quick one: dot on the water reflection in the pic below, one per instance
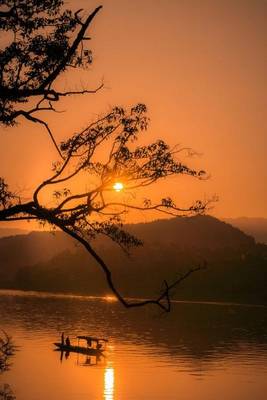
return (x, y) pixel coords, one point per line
(83, 360)
(109, 383)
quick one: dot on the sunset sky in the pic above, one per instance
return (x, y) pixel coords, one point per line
(199, 66)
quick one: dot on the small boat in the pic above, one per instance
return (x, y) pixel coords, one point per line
(94, 346)
(77, 349)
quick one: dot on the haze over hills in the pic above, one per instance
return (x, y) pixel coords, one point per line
(237, 265)
(12, 232)
(34, 247)
(257, 227)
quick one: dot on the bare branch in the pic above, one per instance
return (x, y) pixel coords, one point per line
(28, 116)
(78, 92)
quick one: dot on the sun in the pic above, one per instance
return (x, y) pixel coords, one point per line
(118, 186)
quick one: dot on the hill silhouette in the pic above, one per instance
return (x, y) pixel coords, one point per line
(236, 270)
(199, 231)
(25, 250)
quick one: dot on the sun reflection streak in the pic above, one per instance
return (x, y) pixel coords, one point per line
(109, 383)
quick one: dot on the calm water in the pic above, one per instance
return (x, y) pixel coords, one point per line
(199, 351)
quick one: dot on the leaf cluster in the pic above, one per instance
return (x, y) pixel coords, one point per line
(7, 198)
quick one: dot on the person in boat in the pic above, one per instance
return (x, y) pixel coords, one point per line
(67, 341)
(62, 338)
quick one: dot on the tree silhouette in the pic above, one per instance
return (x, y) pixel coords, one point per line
(6, 351)
(47, 40)
(6, 392)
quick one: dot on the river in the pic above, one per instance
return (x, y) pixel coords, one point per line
(198, 351)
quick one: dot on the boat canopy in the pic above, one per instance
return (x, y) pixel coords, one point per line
(92, 339)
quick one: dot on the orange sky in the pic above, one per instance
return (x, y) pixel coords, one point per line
(200, 66)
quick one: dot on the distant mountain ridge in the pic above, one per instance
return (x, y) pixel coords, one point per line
(199, 231)
(257, 227)
(237, 266)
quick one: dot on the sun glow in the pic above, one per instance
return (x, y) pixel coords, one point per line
(118, 186)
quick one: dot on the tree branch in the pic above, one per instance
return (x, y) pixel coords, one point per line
(71, 51)
(165, 295)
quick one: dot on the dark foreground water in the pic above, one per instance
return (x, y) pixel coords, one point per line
(199, 351)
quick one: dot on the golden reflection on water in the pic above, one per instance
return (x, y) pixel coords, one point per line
(109, 381)
(109, 298)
